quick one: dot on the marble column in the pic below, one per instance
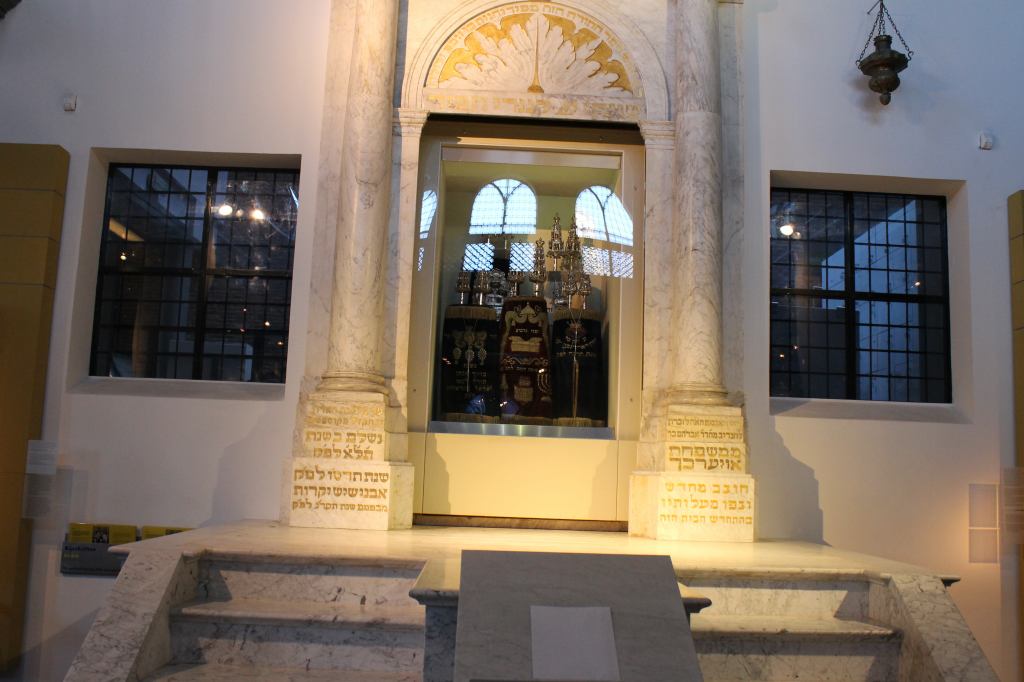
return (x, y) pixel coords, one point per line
(691, 481)
(354, 361)
(405, 206)
(349, 468)
(697, 369)
(660, 263)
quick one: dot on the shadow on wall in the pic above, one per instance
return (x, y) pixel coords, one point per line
(788, 504)
(51, 658)
(249, 481)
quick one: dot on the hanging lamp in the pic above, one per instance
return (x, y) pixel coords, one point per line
(884, 64)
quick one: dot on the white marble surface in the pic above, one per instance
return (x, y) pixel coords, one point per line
(814, 658)
(734, 595)
(730, 49)
(346, 425)
(228, 673)
(697, 370)
(335, 583)
(441, 548)
(691, 506)
(130, 637)
(801, 582)
(937, 643)
(345, 494)
(439, 645)
(402, 235)
(332, 133)
(360, 273)
(296, 646)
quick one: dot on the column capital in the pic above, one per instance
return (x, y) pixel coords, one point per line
(658, 134)
(409, 122)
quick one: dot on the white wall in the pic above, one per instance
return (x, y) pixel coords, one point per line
(247, 76)
(231, 76)
(890, 486)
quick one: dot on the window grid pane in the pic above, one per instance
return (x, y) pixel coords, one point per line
(859, 308)
(195, 273)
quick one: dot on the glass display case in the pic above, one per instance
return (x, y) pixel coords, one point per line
(526, 337)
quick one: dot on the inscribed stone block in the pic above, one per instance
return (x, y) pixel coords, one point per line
(351, 494)
(678, 506)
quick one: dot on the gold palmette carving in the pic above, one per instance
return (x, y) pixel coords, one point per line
(571, 53)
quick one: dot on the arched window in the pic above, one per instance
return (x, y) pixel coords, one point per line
(504, 206)
(601, 215)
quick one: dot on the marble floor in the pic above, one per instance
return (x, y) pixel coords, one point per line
(442, 548)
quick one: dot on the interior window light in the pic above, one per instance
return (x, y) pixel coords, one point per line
(428, 208)
(478, 257)
(504, 206)
(601, 215)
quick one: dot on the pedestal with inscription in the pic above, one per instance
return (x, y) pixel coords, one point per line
(694, 484)
(349, 473)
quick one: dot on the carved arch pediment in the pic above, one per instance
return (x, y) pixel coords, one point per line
(547, 59)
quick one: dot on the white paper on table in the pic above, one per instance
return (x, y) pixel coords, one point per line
(573, 643)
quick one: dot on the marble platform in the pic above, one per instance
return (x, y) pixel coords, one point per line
(779, 610)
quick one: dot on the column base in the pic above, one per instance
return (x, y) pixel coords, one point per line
(667, 505)
(356, 495)
(353, 382)
(696, 394)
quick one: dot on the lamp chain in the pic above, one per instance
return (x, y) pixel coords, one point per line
(878, 28)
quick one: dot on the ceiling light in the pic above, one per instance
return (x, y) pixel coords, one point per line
(787, 229)
(224, 210)
(258, 214)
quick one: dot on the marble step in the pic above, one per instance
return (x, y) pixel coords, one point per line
(272, 612)
(225, 576)
(300, 635)
(844, 598)
(209, 672)
(733, 648)
(713, 625)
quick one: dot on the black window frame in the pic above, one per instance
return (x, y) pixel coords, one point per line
(204, 275)
(851, 296)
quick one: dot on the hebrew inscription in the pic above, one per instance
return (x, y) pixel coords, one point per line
(704, 428)
(332, 489)
(344, 430)
(690, 457)
(707, 502)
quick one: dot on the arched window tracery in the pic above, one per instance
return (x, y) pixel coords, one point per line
(601, 215)
(504, 206)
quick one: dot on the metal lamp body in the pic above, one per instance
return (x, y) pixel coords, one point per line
(883, 66)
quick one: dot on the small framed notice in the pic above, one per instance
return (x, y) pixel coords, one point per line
(573, 643)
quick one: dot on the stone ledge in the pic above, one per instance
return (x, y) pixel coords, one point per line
(302, 612)
(710, 625)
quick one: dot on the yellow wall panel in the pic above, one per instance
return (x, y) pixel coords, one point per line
(550, 478)
(33, 166)
(25, 313)
(1016, 207)
(1017, 260)
(33, 213)
(28, 260)
(32, 183)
